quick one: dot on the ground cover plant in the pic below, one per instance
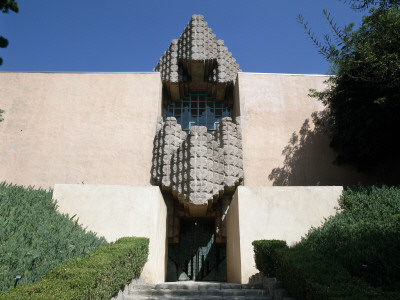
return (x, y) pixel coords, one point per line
(34, 237)
(99, 275)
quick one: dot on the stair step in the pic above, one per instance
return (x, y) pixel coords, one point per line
(198, 290)
(134, 297)
(192, 285)
(144, 286)
(202, 292)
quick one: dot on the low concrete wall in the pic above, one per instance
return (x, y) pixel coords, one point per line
(284, 213)
(119, 211)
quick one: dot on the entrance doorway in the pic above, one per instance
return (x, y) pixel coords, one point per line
(197, 256)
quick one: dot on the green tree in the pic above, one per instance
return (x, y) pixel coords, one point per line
(364, 4)
(5, 7)
(363, 96)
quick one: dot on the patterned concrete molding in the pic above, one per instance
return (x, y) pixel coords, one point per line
(200, 167)
(198, 61)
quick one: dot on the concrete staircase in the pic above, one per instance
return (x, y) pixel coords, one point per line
(197, 290)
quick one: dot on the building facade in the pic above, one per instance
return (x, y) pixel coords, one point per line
(198, 156)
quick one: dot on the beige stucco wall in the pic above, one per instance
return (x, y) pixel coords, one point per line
(78, 127)
(233, 266)
(284, 213)
(280, 144)
(120, 211)
(98, 128)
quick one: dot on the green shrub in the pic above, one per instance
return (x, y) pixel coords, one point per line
(265, 255)
(309, 275)
(99, 275)
(364, 236)
(34, 237)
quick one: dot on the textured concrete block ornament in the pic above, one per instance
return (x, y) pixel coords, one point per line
(199, 167)
(198, 61)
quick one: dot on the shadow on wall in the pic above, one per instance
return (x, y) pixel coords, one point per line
(310, 161)
(302, 157)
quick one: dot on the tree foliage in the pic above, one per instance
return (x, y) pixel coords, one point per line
(5, 7)
(364, 4)
(363, 96)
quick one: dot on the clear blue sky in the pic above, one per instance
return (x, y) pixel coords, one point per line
(131, 35)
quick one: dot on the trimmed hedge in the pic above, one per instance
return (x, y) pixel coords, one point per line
(100, 275)
(265, 255)
(34, 237)
(308, 275)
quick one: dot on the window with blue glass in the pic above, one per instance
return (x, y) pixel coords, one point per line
(197, 109)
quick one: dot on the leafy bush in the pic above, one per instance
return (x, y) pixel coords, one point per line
(100, 275)
(34, 238)
(361, 242)
(265, 255)
(363, 96)
(309, 275)
(364, 236)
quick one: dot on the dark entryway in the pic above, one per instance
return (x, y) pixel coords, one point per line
(197, 256)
